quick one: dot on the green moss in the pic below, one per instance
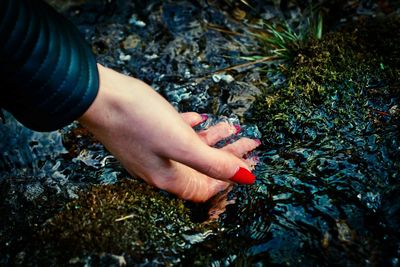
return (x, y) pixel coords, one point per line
(331, 136)
(354, 54)
(329, 83)
(129, 218)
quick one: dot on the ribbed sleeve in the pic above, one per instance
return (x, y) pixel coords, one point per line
(48, 73)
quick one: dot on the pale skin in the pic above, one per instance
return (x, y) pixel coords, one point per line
(153, 141)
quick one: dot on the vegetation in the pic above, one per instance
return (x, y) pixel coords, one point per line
(283, 41)
(331, 136)
(332, 74)
(129, 218)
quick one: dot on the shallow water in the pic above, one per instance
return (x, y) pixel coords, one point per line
(327, 193)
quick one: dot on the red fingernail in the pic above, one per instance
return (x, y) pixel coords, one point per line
(238, 128)
(204, 117)
(258, 141)
(243, 176)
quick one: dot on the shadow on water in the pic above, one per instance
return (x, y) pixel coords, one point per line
(328, 190)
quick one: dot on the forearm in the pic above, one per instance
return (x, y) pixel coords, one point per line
(48, 72)
(127, 108)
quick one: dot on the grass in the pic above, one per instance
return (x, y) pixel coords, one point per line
(284, 41)
(279, 41)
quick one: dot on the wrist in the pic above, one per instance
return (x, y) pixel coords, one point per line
(94, 115)
(114, 95)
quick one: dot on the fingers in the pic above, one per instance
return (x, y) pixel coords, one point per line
(252, 162)
(200, 188)
(185, 182)
(218, 132)
(215, 133)
(193, 118)
(242, 146)
(215, 163)
(222, 164)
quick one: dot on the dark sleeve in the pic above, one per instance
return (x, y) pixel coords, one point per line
(48, 73)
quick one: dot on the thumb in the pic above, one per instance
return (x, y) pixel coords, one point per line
(217, 164)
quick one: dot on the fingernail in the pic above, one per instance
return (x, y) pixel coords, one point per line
(204, 117)
(238, 128)
(243, 176)
(258, 141)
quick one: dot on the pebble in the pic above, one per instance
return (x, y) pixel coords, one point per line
(134, 21)
(224, 77)
(124, 57)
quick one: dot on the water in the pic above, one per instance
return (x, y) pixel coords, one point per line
(327, 191)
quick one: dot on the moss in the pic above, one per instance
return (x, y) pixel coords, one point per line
(129, 218)
(354, 54)
(328, 80)
(331, 137)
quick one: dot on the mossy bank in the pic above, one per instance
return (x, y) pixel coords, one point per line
(125, 223)
(331, 149)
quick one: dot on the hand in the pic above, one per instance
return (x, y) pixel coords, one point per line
(152, 140)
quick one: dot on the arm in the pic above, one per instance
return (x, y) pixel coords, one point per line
(48, 72)
(51, 79)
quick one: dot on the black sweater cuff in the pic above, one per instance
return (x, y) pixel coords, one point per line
(48, 73)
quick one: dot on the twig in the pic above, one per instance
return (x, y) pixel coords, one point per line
(242, 65)
(125, 217)
(382, 113)
(218, 29)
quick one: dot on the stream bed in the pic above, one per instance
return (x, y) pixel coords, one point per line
(327, 190)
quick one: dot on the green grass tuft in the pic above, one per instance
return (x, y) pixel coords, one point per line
(284, 41)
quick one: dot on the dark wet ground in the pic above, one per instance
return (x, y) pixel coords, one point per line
(328, 190)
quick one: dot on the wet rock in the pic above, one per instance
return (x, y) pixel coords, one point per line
(131, 42)
(242, 96)
(344, 232)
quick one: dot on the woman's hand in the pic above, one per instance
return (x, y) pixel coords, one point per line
(152, 140)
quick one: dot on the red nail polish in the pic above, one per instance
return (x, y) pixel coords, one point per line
(204, 117)
(238, 128)
(258, 141)
(243, 176)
